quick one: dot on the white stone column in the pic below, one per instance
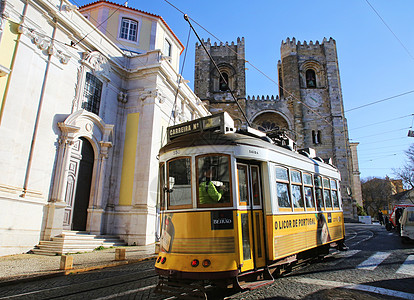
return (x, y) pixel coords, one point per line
(57, 204)
(95, 210)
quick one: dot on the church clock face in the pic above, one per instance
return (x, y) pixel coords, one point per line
(313, 99)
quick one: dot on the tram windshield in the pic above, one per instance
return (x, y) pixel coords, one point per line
(179, 182)
(213, 185)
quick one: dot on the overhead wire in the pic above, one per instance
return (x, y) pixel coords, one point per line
(260, 71)
(378, 101)
(179, 79)
(180, 76)
(381, 133)
(131, 49)
(368, 156)
(95, 28)
(361, 151)
(289, 94)
(377, 123)
(389, 28)
(363, 168)
(382, 141)
(256, 68)
(376, 158)
(217, 69)
(38, 32)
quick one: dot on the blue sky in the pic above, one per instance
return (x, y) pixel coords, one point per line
(375, 62)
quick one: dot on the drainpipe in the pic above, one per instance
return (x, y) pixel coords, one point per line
(39, 110)
(6, 90)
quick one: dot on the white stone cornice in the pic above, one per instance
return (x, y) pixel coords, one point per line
(44, 43)
(154, 94)
(68, 132)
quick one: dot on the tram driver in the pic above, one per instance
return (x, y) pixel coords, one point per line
(210, 191)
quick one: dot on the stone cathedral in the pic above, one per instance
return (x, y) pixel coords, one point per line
(309, 107)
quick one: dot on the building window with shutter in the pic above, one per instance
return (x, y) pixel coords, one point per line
(92, 94)
(129, 30)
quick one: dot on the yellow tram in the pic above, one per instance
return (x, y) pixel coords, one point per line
(235, 203)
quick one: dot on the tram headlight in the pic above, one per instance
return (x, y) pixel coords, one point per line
(163, 260)
(206, 263)
(195, 263)
(159, 259)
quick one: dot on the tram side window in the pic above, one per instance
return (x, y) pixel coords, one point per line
(162, 187)
(318, 192)
(179, 182)
(282, 186)
(327, 193)
(334, 190)
(256, 185)
(296, 181)
(243, 181)
(308, 188)
(213, 184)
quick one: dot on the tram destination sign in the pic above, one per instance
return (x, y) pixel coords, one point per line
(221, 121)
(185, 128)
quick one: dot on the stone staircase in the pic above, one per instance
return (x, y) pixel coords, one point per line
(76, 241)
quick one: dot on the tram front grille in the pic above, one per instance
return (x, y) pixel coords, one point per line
(203, 245)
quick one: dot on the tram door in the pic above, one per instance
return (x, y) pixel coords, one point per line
(251, 216)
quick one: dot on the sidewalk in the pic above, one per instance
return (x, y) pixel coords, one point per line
(27, 266)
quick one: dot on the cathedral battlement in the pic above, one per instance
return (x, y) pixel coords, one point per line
(291, 43)
(207, 43)
(263, 98)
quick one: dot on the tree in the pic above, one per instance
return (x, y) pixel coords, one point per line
(376, 194)
(406, 173)
(360, 210)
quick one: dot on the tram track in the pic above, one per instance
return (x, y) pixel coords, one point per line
(135, 282)
(370, 235)
(76, 290)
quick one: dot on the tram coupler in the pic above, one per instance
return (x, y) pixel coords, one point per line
(181, 289)
(253, 280)
(341, 246)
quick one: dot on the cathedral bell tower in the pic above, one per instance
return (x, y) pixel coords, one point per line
(310, 81)
(210, 86)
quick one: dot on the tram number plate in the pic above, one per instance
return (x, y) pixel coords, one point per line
(221, 219)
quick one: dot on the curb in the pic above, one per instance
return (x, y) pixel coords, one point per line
(51, 274)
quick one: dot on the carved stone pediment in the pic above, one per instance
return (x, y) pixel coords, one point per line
(97, 63)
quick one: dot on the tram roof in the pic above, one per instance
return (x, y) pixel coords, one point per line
(210, 138)
(206, 138)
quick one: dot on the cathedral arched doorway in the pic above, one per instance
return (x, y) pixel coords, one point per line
(79, 185)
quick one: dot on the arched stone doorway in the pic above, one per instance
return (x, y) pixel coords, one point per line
(76, 201)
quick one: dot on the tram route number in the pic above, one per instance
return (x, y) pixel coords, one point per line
(284, 224)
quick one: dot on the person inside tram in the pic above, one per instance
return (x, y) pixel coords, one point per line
(210, 191)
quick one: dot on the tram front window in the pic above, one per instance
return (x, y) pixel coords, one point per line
(213, 180)
(179, 182)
